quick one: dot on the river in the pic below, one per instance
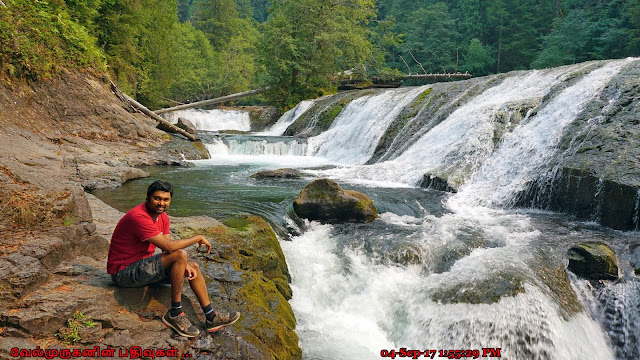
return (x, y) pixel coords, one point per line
(437, 270)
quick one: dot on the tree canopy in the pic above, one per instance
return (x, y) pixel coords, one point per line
(184, 50)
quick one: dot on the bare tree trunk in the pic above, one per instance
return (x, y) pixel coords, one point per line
(212, 101)
(162, 123)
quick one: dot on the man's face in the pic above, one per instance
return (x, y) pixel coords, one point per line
(158, 202)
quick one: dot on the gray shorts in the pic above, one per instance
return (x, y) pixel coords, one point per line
(142, 273)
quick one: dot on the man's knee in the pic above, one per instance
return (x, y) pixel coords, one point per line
(194, 265)
(178, 256)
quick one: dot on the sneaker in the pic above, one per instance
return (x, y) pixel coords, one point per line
(221, 320)
(180, 324)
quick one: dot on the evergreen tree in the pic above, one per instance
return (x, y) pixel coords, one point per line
(431, 37)
(306, 42)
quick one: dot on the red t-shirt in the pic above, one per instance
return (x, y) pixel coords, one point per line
(128, 242)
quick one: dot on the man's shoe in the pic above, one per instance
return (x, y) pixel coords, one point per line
(221, 320)
(180, 324)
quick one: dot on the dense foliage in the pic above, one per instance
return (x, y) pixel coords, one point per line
(192, 49)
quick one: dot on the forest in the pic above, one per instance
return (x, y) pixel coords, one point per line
(167, 51)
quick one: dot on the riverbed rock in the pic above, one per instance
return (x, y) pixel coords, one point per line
(326, 201)
(285, 173)
(593, 261)
(431, 181)
(634, 258)
(186, 125)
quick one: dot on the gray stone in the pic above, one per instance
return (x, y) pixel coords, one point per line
(186, 125)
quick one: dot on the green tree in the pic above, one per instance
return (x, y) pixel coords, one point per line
(306, 42)
(431, 37)
(233, 34)
(566, 44)
(477, 59)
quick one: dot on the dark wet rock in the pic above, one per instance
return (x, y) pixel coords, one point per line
(485, 291)
(326, 201)
(285, 173)
(186, 125)
(593, 261)
(435, 182)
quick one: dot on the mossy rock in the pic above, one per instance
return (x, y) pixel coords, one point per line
(593, 261)
(324, 200)
(247, 246)
(552, 273)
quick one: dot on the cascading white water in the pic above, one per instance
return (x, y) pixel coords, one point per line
(465, 139)
(257, 147)
(289, 118)
(351, 301)
(355, 132)
(213, 120)
(525, 151)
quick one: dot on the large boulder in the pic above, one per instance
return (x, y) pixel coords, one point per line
(326, 201)
(593, 261)
(186, 125)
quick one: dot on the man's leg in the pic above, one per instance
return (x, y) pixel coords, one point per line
(215, 321)
(175, 264)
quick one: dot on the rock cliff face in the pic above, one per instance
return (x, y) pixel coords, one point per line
(61, 137)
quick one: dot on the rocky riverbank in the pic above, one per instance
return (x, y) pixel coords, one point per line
(62, 137)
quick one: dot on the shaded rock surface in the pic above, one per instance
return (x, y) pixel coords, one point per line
(326, 201)
(593, 261)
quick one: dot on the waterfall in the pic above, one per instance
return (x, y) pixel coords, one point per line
(257, 146)
(450, 271)
(525, 152)
(355, 132)
(464, 139)
(213, 120)
(289, 118)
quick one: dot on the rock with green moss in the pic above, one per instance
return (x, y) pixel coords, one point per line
(593, 261)
(326, 201)
(246, 271)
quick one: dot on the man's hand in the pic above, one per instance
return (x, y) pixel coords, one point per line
(205, 242)
(190, 272)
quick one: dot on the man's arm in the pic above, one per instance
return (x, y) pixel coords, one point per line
(165, 243)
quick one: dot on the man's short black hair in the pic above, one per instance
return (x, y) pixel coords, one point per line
(159, 185)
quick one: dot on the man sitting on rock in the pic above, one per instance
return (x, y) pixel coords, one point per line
(132, 263)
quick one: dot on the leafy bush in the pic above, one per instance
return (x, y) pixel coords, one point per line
(39, 38)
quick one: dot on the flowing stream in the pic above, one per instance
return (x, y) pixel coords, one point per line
(437, 270)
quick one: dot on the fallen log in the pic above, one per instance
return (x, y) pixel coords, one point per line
(163, 124)
(212, 101)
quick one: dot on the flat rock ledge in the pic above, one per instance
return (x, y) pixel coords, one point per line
(50, 282)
